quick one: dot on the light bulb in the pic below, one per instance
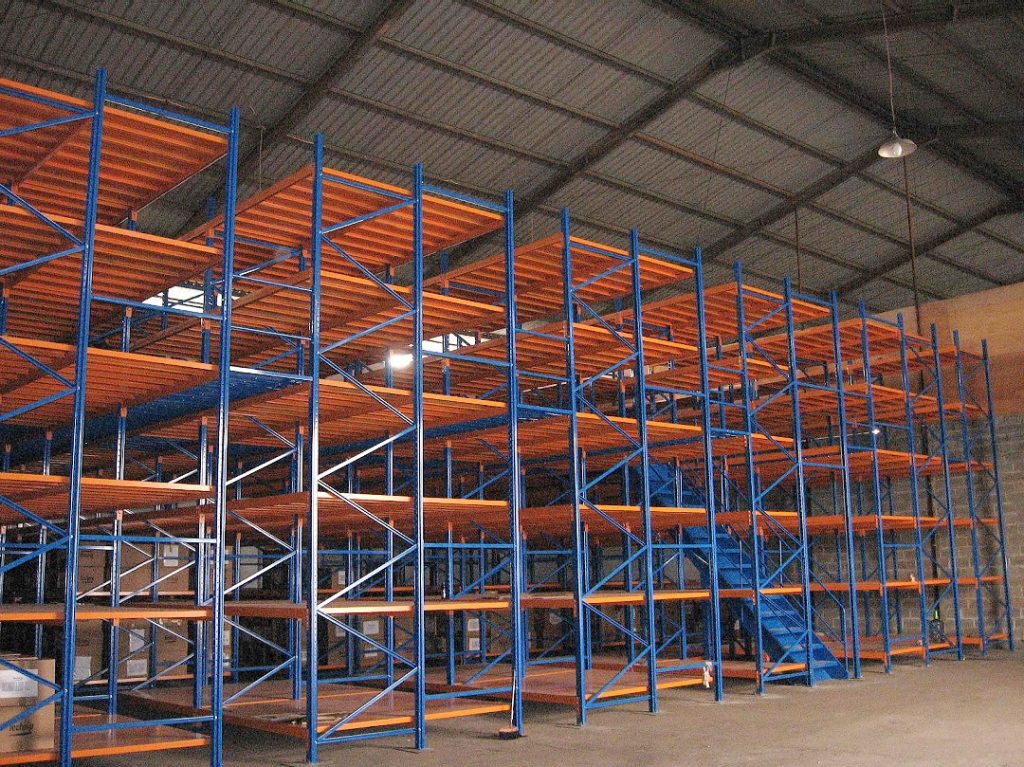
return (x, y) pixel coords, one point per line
(400, 360)
(896, 147)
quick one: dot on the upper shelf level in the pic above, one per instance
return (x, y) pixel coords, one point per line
(282, 215)
(540, 282)
(128, 265)
(763, 312)
(142, 156)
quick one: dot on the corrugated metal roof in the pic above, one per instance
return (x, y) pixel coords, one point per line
(933, 277)
(470, 37)
(632, 30)
(661, 174)
(819, 276)
(446, 98)
(772, 96)
(711, 136)
(737, 149)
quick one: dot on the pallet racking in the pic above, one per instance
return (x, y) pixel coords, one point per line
(75, 172)
(353, 498)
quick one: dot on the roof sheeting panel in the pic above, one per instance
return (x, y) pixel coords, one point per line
(864, 64)
(696, 129)
(819, 276)
(1000, 152)
(633, 31)
(986, 255)
(995, 42)
(176, 75)
(482, 42)
(656, 171)
(885, 295)
(939, 279)
(297, 45)
(593, 199)
(825, 234)
(438, 96)
(932, 54)
(883, 210)
(773, 97)
(377, 135)
(1009, 228)
(938, 182)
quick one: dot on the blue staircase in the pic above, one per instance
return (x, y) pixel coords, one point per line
(782, 622)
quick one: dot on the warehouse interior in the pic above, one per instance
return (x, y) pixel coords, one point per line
(628, 381)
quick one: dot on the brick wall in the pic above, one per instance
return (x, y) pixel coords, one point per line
(1010, 436)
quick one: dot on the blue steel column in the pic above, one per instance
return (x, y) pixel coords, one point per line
(801, 498)
(515, 498)
(844, 452)
(710, 494)
(752, 481)
(313, 459)
(120, 456)
(972, 508)
(223, 448)
(419, 592)
(579, 543)
(200, 661)
(876, 489)
(77, 448)
(954, 569)
(640, 406)
(915, 500)
(1000, 519)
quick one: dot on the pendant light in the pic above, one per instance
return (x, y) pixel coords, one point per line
(895, 147)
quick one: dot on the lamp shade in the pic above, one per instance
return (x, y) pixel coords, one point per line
(896, 147)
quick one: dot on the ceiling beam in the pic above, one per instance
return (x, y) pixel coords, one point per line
(804, 196)
(715, 20)
(725, 57)
(926, 248)
(95, 15)
(920, 17)
(312, 95)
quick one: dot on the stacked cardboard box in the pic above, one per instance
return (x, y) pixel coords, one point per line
(133, 651)
(90, 639)
(92, 572)
(19, 693)
(172, 574)
(172, 645)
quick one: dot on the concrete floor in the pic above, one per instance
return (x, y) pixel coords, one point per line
(950, 714)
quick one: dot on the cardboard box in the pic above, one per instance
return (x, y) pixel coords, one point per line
(172, 645)
(334, 645)
(227, 645)
(248, 565)
(92, 571)
(373, 628)
(90, 640)
(137, 569)
(133, 651)
(19, 692)
(473, 634)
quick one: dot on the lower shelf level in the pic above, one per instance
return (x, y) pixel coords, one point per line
(135, 740)
(270, 707)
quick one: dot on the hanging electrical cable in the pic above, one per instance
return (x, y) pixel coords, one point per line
(895, 147)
